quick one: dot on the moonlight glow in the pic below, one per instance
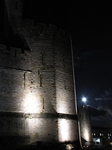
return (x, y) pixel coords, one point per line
(84, 99)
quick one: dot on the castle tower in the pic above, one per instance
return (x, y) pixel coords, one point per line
(37, 98)
(85, 126)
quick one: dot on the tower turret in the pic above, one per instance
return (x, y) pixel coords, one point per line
(85, 126)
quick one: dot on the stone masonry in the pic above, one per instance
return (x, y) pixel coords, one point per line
(37, 99)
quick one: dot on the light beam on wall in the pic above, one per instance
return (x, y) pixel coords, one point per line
(30, 103)
(63, 130)
(86, 135)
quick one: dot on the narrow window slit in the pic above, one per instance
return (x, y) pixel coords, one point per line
(40, 80)
(24, 79)
(43, 103)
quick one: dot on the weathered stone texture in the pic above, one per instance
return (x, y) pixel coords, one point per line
(14, 58)
(40, 81)
(38, 129)
(12, 82)
(85, 123)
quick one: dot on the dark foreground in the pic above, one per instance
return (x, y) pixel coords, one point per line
(50, 146)
(43, 146)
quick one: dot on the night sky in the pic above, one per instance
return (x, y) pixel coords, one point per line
(89, 24)
(93, 59)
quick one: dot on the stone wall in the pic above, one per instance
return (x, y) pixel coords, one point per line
(14, 65)
(85, 124)
(37, 98)
(30, 128)
(52, 61)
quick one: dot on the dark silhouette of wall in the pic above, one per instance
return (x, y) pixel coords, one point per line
(8, 35)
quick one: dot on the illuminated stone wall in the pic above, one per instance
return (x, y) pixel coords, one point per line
(52, 72)
(85, 124)
(37, 99)
(14, 65)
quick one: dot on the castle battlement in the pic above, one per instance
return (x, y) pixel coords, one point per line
(15, 58)
(32, 24)
(13, 49)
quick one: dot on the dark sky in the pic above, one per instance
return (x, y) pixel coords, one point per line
(90, 25)
(93, 59)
